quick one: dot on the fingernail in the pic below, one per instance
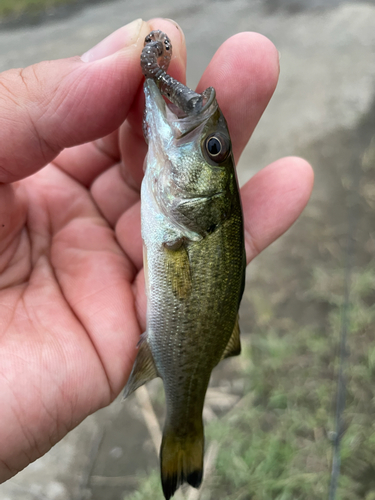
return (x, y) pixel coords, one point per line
(178, 28)
(120, 39)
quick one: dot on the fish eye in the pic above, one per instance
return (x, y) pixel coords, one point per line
(217, 147)
(213, 146)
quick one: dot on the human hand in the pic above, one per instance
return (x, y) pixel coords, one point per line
(72, 303)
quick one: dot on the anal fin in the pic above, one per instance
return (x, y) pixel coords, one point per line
(233, 347)
(144, 368)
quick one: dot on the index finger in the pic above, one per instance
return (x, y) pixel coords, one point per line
(57, 104)
(244, 72)
(86, 162)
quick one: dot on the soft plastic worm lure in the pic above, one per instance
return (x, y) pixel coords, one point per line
(155, 60)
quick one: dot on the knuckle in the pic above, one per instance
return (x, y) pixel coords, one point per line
(23, 102)
(9, 87)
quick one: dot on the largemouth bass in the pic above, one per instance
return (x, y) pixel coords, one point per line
(194, 257)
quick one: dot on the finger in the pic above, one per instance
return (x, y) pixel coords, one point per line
(128, 234)
(272, 200)
(244, 72)
(14, 261)
(113, 195)
(140, 299)
(85, 162)
(93, 274)
(242, 105)
(58, 104)
(132, 144)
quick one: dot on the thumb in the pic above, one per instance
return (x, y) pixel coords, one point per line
(57, 104)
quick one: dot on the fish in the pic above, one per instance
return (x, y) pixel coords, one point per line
(194, 258)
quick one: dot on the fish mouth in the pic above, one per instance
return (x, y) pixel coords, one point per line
(154, 99)
(168, 119)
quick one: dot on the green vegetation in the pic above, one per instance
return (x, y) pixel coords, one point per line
(16, 7)
(278, 446)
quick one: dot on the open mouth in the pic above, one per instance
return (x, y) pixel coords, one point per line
(169, 115)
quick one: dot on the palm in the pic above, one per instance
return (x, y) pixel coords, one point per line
(68, 311)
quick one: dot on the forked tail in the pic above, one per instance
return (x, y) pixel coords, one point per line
(181, 459)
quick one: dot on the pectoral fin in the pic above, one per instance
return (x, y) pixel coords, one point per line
(234, 344)
(178, 270)
(144, 368)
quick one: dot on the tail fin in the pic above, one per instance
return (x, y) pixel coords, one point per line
(181, 459)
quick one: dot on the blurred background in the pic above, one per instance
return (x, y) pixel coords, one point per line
(300, 400)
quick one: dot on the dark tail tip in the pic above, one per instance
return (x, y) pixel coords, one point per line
(195, 478)
(181, 461)
(169, 485)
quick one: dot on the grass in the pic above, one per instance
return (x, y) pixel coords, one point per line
(14, 8)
